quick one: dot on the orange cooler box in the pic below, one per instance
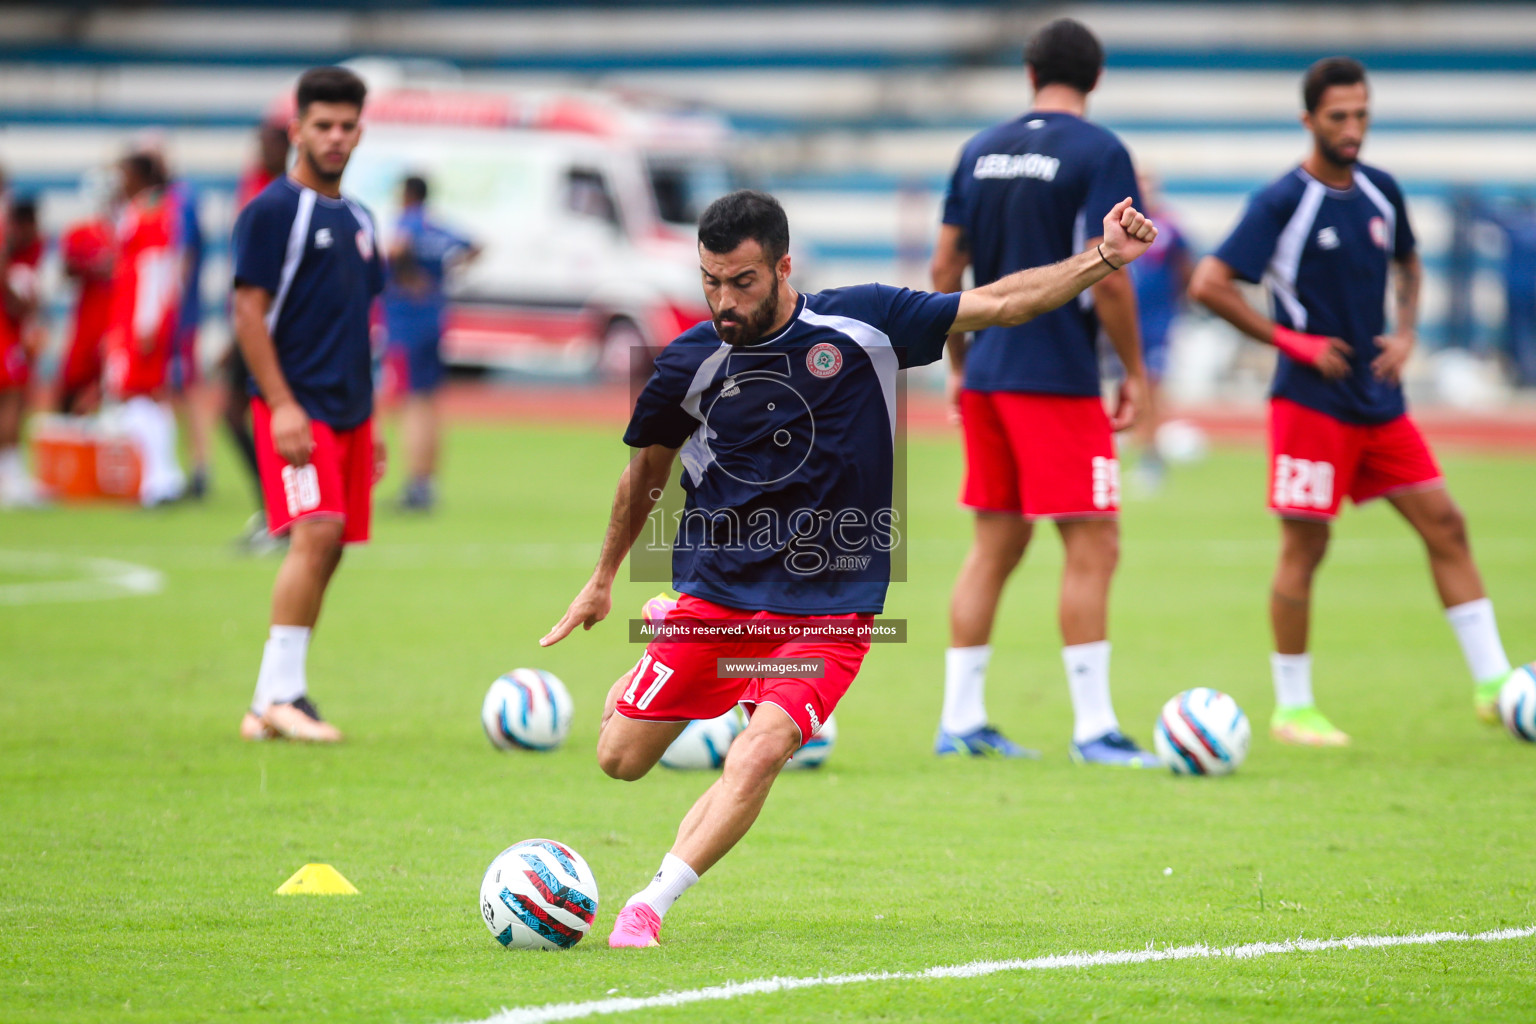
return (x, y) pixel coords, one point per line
(78, 457)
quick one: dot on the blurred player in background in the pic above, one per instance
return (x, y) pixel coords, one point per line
(146, 286)
(188, 393)
(1038, 443)
(1325, 238)
(1161, 278)
(272, 149)
(414, 306)
(307, 268)
(21, 342)
(783, 405)
(88, 249)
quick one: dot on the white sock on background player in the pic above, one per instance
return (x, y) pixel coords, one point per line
(965, 685)
(1293, 679)
(1478, 631)
(282, 678)
(1088, 680)
(674, 879)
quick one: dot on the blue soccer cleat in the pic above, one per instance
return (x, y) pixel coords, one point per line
(983, 742)
(1114, 748)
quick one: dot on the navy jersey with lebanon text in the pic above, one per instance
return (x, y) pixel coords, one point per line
(1324, 255)
(788, 449)
(1027, 193)
(319, 259)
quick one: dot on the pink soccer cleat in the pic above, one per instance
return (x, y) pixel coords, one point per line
(636, 928)
(253, 729)
(658, 608)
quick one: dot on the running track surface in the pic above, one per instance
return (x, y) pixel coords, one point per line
(1511, 430)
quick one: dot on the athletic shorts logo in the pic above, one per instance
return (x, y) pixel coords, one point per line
(810, 711)
(301, 489)
(824, 360)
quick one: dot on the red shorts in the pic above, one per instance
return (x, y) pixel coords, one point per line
(131, 372)
(1315, 460)
(15, 364)
(336, 484)
(677, 681)
(1039, 456)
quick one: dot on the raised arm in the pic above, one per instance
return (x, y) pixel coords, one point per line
(640, 487)
(1214, 285)
(1025, 295)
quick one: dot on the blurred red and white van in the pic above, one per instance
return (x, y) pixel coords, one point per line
(585, 205)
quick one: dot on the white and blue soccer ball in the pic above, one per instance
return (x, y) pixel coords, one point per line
(703, 744)
(538, 894)
(1517, 703)
(1202, 732)
(527, 709)
(815, 751)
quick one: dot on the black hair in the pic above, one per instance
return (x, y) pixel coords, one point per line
(1065, 51)
(1329, 71)
(742, 215)
(415, 188)
(24, 211)
(147, 167)
(329, 85)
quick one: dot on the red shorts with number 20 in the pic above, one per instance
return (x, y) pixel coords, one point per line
(677, 681)
(1316, 460)
(336, 483)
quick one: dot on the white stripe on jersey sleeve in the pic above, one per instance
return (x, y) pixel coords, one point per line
(1285, 264)
(696, 455)
(1388, 211)
(298, 235)
(876, 345)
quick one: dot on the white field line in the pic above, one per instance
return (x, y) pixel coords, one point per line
(90, 579)
(1107, 958)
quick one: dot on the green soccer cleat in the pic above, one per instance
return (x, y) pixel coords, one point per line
(1305, 726)
(1485, 698)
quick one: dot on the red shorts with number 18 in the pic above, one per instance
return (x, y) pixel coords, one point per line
(679, 681)
(1315, 461)
(336, 483)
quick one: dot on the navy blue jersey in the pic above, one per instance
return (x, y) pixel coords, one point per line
(1027, 193)
(319, 258)
(1324, 255)
(415, 299)
(788, 449)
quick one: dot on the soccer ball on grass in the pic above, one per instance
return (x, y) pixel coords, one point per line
(538, 894)
(1202, 732)
(527, 709)
(1517, 703)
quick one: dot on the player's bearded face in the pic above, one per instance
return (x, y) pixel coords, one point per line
(1339, 123)
(325, 137)
(743, 293)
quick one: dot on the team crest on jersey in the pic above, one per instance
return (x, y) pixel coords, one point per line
(1328, 238)
(322, 238)
(364, 245)
(1379, 232)
(824, 360)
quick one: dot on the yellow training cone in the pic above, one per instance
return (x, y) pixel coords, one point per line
(317, 880)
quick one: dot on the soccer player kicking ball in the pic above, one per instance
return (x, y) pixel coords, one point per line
(1324, 237)
(307, 267)
(784, 409)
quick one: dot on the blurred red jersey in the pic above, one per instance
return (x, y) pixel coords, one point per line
(88, 252)
(20, 283)
(145, 296)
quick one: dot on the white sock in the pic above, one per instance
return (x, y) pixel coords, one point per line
(1478, 632)
(1088, 679)
(965, 686)
(674, 879)
(281, 679)
(1293, 679)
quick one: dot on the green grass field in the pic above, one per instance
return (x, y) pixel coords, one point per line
(141, 841)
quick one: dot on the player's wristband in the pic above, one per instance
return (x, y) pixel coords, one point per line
(1304, 348)
(1108, 264)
